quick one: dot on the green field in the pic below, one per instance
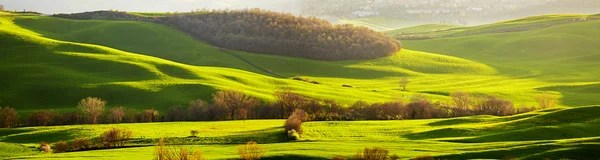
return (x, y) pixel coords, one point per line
(556, 133)
(52, 63)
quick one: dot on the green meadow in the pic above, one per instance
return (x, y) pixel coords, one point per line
(555, 133)
(51, 63)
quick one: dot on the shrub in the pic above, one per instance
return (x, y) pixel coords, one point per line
(149, 116)
(423, 158)
(315, 82)
(339, 158)
(45, 147)
(115, 138)
(161, 152)
(80, 144)
(394, 157)
(8, 117)
(251, 151)
(293, 135)
(40, 118)
(294, 122)
(347, 85)
(376, 153)
(194, 133)
(60, 147)
(495, 106)
(116, 115)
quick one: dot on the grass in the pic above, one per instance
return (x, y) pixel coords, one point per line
(422, 29)
(457, 138)
(153, 66)
(380, 23)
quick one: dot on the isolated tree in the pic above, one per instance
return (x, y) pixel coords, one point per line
(93, 108)
(403, 83)
(236, 103)
(546, 101)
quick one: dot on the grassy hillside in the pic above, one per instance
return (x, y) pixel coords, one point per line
(556, 133)
(422, 28)
(144, 65)
(558, 54)
(380, 23)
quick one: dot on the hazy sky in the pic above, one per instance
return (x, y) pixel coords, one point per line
(72, 6)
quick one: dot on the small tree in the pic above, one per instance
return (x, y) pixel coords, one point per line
(236, 102)
(546, 101)
(116, 115)
(40, 118)
(461, 99)
(80, 144)
(92, 107)
(8, 117)
(376, 153)
(294, 122)
(403, 83)
(251, 151)
(289, 101)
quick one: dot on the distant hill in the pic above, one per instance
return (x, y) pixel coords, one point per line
(260, 31)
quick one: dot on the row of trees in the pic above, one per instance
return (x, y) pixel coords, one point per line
(261, 31)
(234, 105)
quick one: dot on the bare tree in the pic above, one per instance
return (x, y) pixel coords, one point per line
(289, 101)
(116, 115)
(93, 107)
(236, 102)
(461, 99)
(403, 83)
(546, 101)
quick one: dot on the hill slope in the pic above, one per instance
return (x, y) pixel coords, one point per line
(58, 61)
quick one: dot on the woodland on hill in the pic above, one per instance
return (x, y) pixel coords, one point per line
(261, 31)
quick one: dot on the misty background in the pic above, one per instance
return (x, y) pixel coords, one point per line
(385, 14)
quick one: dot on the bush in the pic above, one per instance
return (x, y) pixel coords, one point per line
(8, 117)
(394, 157)
(293, 135)
(236, 103)
(60, 147)
(176, 113)
(496, 107)
(45, 147)
(80, 144)
(197, 110)
(251, 151)
(40, 118)
(71, 118)
(194, 133)
(347, 85)
(161, 152)
(115, 138)
(294, 122)
(376, 153)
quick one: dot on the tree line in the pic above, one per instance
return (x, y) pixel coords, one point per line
(234, 105)
(262, 31)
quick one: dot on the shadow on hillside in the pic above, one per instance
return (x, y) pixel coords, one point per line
(535, 152)
(264, 136)
(44, 136)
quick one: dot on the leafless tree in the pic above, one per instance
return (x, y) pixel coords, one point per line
(546, 101)
(93, 107)
(403, 83)
(236, 102)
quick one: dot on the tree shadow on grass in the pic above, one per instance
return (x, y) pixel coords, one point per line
(44, 136)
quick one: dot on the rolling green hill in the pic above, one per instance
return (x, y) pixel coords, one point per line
(145, 65)
(422, 29)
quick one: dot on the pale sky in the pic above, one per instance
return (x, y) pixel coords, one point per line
(73, 6)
